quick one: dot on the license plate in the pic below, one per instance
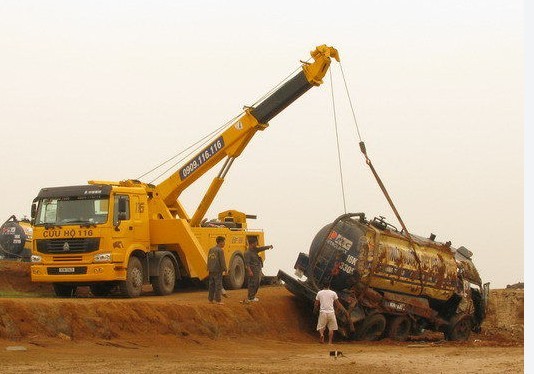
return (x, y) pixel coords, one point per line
(66, 270)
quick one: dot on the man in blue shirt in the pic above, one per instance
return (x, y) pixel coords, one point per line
(216, 268)
(254, 263)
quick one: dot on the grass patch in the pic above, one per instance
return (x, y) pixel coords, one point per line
(17, 294)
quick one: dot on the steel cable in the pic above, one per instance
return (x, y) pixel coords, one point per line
(337, 141)
(383, 188)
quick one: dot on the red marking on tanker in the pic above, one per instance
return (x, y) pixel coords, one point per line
(339, 241)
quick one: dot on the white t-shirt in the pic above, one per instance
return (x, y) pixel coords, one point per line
(326, 300)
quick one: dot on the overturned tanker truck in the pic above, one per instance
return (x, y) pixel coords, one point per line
(392, 284)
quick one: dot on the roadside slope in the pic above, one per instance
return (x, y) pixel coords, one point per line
(30, 310)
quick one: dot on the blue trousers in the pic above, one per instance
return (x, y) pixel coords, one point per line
(215, 286)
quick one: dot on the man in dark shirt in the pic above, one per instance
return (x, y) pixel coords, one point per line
(216, 268)
(254, 263)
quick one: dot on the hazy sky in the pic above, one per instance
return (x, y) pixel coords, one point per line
(107, 90)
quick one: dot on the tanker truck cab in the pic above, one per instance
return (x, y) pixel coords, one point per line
(84, 234)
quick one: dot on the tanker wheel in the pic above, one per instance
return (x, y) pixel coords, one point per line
(372, 327)
(459, 328)
(236, 274)
(164, 283)
(132, 286)
(399, 328)
(64, 290)
(101, 289)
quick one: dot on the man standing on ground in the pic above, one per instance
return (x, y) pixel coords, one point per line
(253, 264)
(216, 268)
(327, 299)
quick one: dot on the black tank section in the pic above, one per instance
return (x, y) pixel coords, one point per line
(12, 239)
(334, 252)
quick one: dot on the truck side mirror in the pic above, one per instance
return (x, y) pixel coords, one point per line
(122, 213)
(122, 208)
(33, 211)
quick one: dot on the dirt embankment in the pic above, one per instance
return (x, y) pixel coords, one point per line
(505, 320)
(30, 309)
(183, 333)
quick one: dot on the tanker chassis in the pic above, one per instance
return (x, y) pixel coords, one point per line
(392, 284)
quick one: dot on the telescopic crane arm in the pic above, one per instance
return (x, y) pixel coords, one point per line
(232, 141)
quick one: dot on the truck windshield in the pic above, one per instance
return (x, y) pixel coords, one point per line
(72, 210)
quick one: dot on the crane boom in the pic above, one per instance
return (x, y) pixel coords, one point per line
(231, 142)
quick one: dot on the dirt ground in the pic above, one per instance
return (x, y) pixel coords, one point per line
(183, 333)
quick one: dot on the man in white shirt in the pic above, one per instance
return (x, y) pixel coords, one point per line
(326, 300)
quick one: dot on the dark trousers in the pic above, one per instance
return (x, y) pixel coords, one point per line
(215, 286)
(254, 282)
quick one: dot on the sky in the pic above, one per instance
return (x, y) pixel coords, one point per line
(108, 90)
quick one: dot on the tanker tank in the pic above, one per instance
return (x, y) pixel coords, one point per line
(393, 284)
(15, 239)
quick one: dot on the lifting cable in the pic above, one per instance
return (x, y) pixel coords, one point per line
(337, 140)
(381, 184)
(192, 149)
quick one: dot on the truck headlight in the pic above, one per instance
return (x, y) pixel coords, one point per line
(36, 259)
(102, 257)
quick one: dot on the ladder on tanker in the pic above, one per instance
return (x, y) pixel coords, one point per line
(324, 265)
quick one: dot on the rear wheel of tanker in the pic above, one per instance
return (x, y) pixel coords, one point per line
(236, 274)
(132, 286)
(459, 328)
(164, 283)
(101, 289)
(64, 290)
(398, 328)
(371, 328)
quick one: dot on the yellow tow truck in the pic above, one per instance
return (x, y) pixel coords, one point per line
(129, 233)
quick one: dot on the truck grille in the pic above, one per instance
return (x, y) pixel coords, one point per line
(67, 246)
(67, 258)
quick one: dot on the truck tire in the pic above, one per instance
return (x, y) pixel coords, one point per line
(399, 328)
(64, 290)
(459, 328)
(133, 284)
(236, 274)
(101, 289)
(164, 283)
(371, 328)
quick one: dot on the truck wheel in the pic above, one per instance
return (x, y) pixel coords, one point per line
(101, 289)
(459, 328)
(372, 327)
(63, 290)
(164, 283)
(236, 274)
(399, 328)
(133, 284)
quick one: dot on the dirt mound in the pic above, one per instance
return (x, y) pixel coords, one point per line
(29, 309)
(505, 319)
(519, 286)
(187, 316)
(15, 281)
